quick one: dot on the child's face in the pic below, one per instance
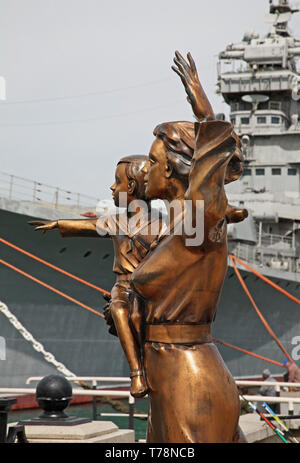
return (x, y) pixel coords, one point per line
(121, 184)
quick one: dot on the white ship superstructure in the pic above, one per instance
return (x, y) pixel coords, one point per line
(263, 91)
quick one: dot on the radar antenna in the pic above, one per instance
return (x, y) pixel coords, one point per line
(279, 16)
(255, 100)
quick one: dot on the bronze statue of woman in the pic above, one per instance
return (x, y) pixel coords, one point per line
(193, 397)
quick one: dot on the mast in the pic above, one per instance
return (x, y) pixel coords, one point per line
(259, 80)
(264, 77)
(280, 15)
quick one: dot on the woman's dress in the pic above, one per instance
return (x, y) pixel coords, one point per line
(193, 397)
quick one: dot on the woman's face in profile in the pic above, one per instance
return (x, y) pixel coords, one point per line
(155, 177)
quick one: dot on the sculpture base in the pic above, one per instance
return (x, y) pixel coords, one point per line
(93, 432)
(46, 421)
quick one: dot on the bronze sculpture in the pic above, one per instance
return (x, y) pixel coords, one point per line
(193, 397)
(130, 247)
(164, 325)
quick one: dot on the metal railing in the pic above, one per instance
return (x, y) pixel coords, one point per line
(258, 398)
(245, 252)
(270, 239)
(93, 379)
(266, 258)
(291, 401)
(124, 394)
(277, 386)
(17, 188)
(87, 392)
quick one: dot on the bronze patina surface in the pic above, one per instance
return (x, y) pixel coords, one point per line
(132, 241)
(193, 397)
(167, 290)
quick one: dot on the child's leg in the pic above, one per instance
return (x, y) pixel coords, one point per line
(130, 347)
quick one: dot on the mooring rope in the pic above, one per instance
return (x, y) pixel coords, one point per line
(264, 278)
(232, 257)
(266, 359)
(57, 291)
(263, 320)
(58, 269)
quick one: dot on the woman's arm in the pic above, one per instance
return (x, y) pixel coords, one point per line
(195, 94)
(215, 146)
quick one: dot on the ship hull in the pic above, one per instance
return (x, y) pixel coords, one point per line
(238, 323)
(76, 337)
(80, 340)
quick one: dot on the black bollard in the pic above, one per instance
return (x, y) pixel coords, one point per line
(53, 394)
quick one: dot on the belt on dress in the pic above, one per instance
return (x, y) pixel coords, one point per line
(180, 334)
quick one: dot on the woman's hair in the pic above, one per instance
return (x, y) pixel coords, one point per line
(133, 168)
(179, 140)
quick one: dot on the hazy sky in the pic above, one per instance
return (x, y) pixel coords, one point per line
(88, 80)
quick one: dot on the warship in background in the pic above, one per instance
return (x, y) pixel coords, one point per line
(258, 78)
(263, 91)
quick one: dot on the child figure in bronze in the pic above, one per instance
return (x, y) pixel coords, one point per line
(132, 238)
